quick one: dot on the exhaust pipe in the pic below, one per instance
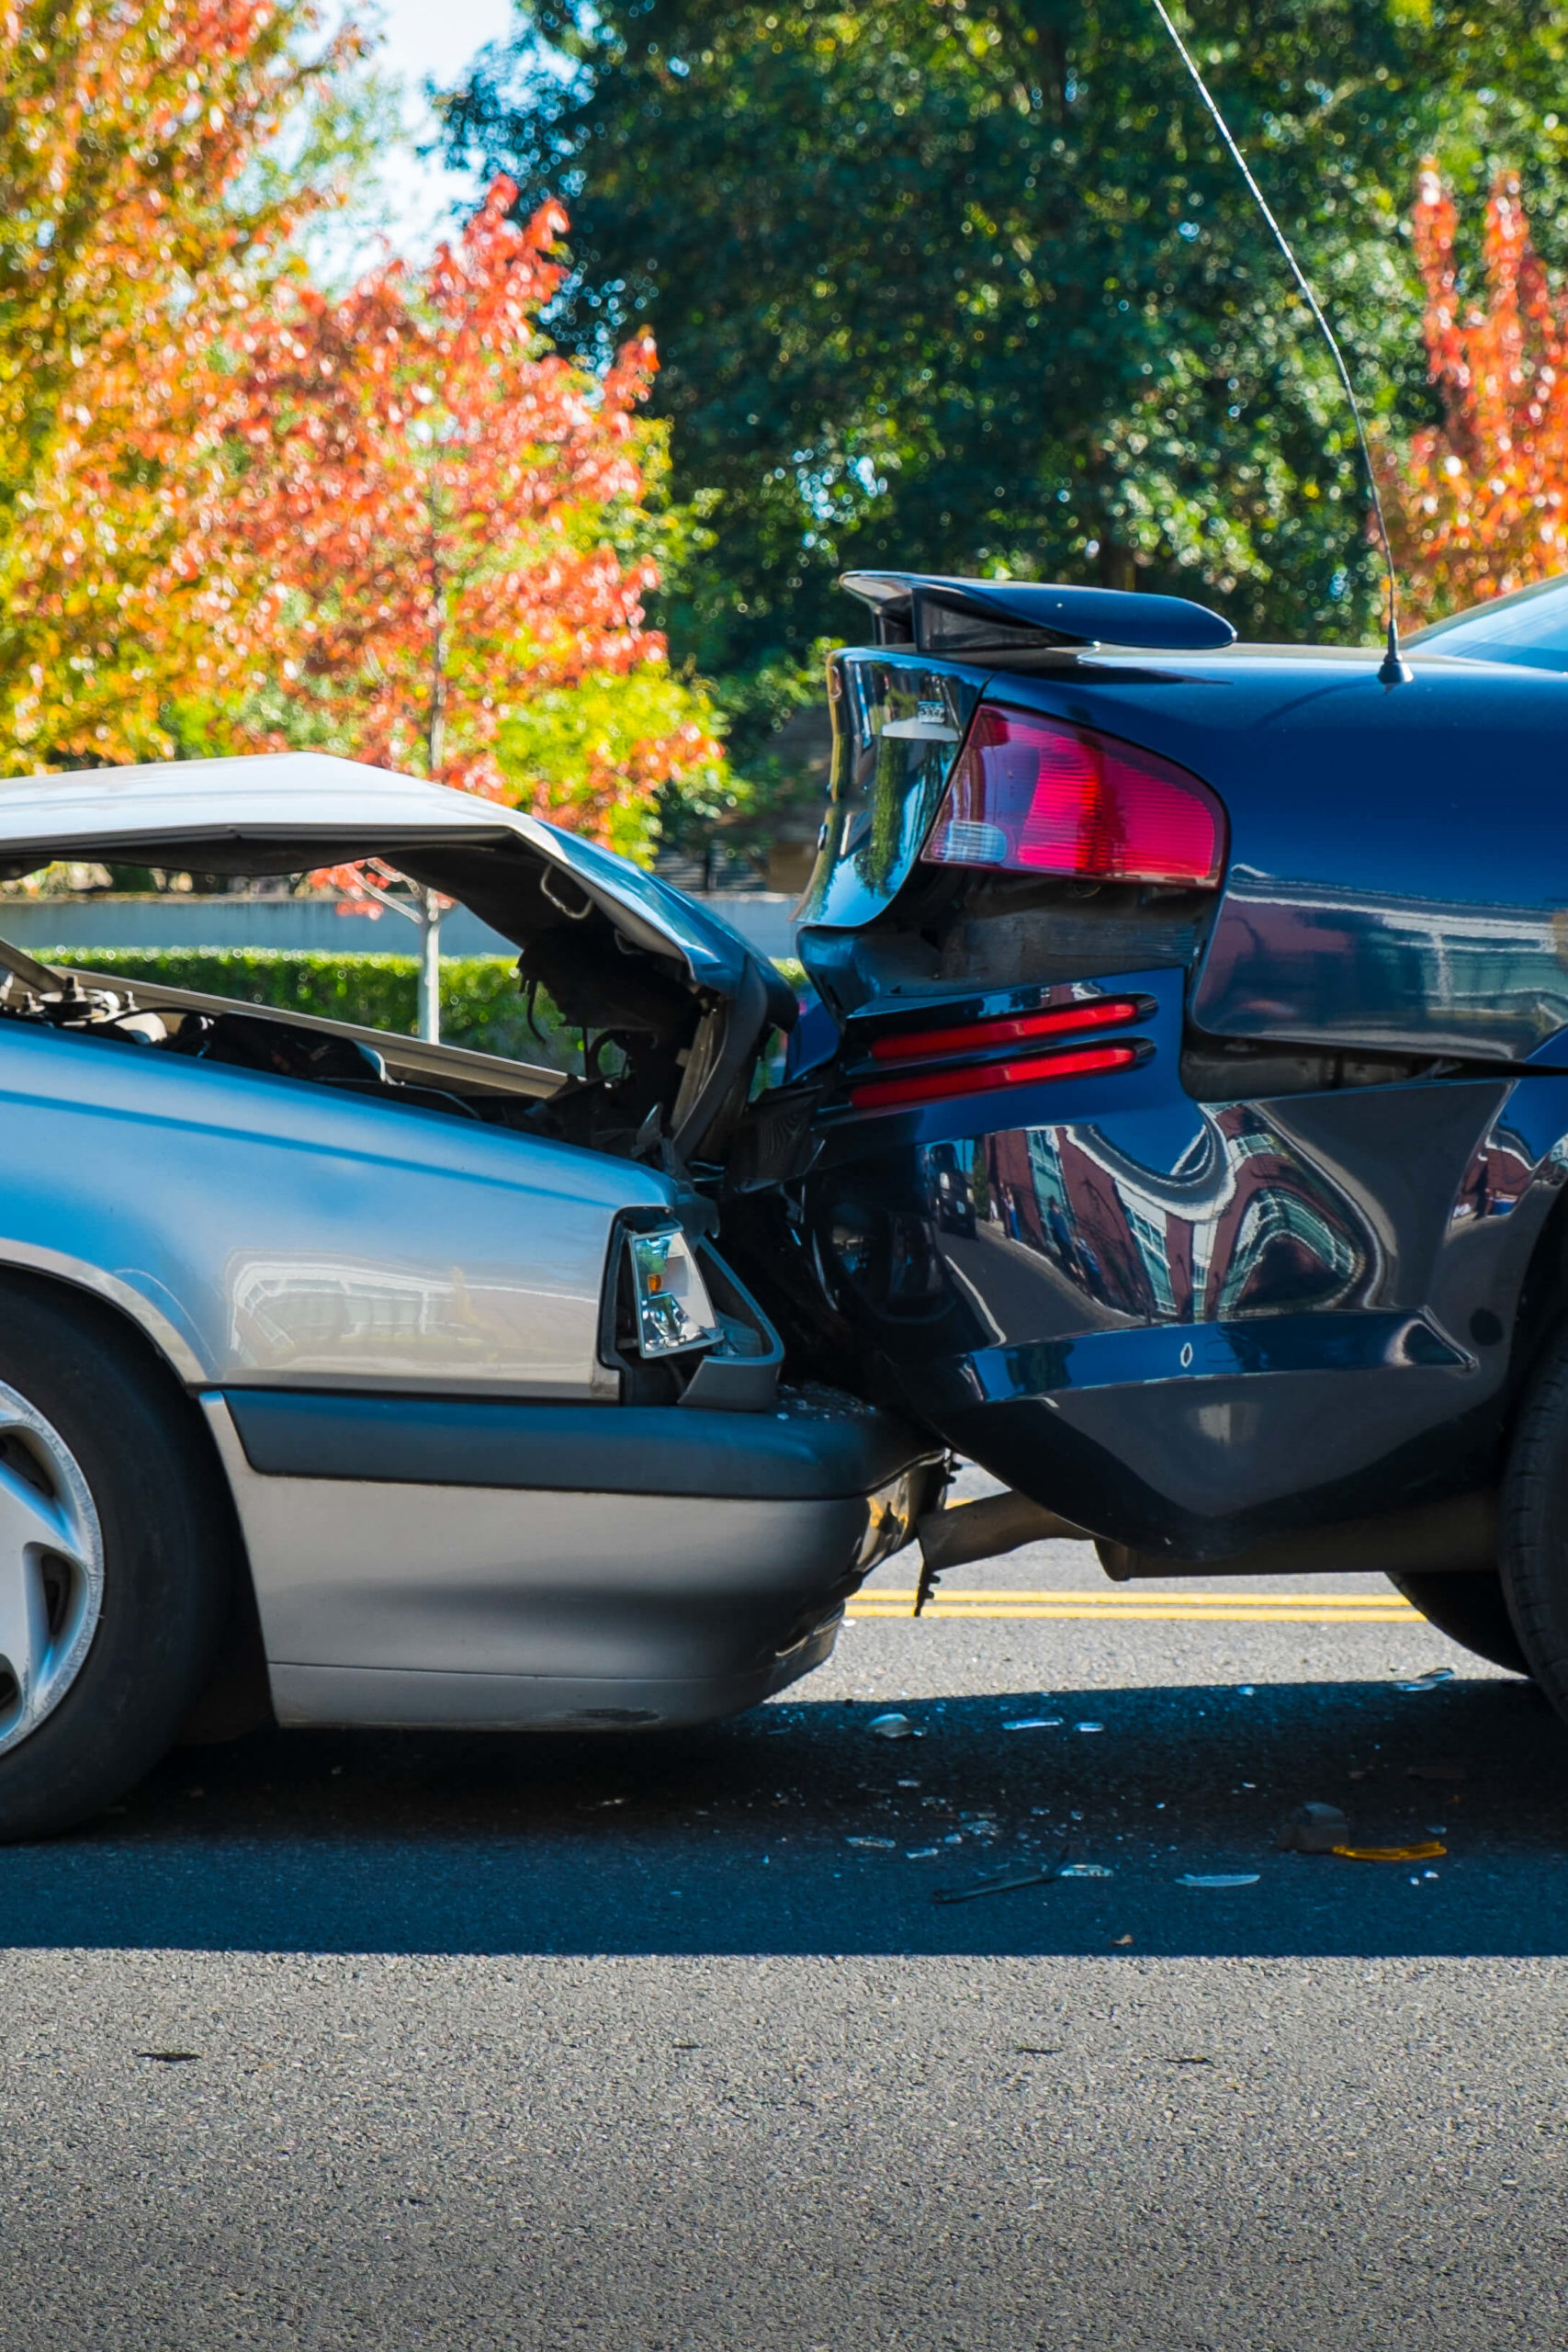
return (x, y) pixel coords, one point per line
(966, 1532)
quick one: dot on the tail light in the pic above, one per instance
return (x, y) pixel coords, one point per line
(937, 1085)
(1014, 1029)
(1034, 794)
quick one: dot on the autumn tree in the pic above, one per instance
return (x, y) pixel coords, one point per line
(1478, 504)
(453, 521)
(132, 228)
(456, 521)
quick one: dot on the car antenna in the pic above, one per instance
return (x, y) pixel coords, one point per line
(1393, 671)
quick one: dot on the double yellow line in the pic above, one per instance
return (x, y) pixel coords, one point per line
(1143, 1608)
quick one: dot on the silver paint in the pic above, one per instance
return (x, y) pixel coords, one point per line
(466, 1589)
(378, 1250)
(408, 1699)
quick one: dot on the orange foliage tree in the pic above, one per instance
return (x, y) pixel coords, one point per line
(127, 245)
(452, 518)
(1478, 504)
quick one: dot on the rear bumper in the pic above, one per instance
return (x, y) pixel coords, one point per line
(1187, 1325)
(1206, 1459)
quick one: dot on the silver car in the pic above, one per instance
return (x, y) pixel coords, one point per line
(350, 1379)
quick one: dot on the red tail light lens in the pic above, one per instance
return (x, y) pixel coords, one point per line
(936, 1086)
(1016, 1029)
(1036, 795)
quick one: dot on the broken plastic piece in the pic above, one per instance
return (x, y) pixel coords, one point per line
(1220, 1878)
(1035, 1722)
(1427, 1850)
(1085, 1869)
(1312, 1829)
(922, 1853)
(1431, 1679)
(1088, 1726)
(894, 1727)
(996, 1885)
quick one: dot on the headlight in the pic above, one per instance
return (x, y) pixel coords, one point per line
(672, 1306)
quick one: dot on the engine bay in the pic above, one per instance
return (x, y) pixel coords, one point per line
(633, 1074)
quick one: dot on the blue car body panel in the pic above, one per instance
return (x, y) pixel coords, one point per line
(1212, 1297)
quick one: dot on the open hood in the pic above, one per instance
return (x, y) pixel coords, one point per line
(615, 948)
(288, 811)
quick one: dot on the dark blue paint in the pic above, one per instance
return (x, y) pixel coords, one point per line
(1028, 1270)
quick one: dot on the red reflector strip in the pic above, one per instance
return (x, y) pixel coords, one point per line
(1018, 1029)
(934, 1086)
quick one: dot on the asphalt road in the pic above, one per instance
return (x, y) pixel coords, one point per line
(659, 2045)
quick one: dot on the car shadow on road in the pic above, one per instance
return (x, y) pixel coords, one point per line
(799, 1828)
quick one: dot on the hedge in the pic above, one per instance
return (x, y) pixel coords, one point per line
(481, 1005)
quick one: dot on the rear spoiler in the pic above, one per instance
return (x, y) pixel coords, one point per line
(934, 614)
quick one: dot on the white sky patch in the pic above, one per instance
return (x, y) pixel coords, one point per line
(415, 200)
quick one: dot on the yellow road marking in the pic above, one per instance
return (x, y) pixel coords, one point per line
(1180, 1609)
(1150, 1616)
(1122, 1596)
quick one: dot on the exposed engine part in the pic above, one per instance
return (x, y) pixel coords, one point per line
(61, 1002)
(1443, 1538)
(252, 1041)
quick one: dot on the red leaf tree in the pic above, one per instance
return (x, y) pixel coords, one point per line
(1478, 504)
(454, 521)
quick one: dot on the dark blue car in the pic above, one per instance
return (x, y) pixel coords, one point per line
(1230, 985)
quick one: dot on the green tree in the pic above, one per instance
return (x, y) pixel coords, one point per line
(968, 285)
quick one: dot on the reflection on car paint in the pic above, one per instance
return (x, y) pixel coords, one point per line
(1498, 1174)
(1241, 1224)
(325, 1314)
(1325, 965)
(901, 725)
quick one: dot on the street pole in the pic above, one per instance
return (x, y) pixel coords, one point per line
(430, 966)
(436, 723)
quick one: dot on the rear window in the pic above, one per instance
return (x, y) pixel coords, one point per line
(1530, 627)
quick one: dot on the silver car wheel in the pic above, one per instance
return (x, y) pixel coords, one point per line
(52, 1569)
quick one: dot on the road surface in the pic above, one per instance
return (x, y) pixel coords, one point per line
(331, 2041)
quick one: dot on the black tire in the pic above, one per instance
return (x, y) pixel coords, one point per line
(1469, 1606)
(167, 1553)
(1534, 1525)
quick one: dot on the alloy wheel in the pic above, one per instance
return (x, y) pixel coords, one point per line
(52, 1569)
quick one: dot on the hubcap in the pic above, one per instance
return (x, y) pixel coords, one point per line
(52, 1569)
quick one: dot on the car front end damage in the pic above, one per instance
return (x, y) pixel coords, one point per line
(507, 1439)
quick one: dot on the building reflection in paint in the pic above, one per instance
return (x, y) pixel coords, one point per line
(1241, 1224)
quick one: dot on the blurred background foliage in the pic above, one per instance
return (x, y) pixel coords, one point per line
(968, 285)
(958, 285)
